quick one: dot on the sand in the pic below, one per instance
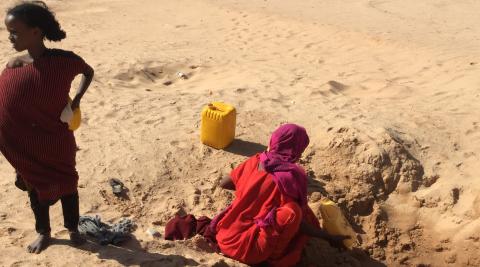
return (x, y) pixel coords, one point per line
(388, 91)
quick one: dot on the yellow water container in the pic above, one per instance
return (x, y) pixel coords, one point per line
(335, 223)
(218, 125)
(76, 120)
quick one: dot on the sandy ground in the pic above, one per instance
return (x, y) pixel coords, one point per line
(388, 91)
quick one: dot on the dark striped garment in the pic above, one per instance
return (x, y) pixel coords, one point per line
(32, 138)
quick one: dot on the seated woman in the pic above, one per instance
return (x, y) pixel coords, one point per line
(269, 221)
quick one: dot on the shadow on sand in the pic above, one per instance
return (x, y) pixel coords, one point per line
(131, 253)
(245, 148)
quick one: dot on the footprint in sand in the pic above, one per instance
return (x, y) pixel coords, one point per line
(337, 87)
(240, 90)
(472, 130)
(142, 74)
(148, 122)
(152, 73)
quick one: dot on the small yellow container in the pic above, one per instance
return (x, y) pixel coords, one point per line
(76, 120)
(218, 125)
(335, 223)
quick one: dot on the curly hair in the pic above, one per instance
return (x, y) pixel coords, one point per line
(37, 14)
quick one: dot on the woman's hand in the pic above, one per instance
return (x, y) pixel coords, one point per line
(227, 183)
(336, 241)
(14, 63)
(20, 61)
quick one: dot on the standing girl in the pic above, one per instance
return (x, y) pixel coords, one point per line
(34, 89)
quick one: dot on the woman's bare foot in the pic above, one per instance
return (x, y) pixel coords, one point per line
(76, 238)
(41, 243)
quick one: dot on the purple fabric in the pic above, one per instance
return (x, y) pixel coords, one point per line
(270, 219)
(286, 147)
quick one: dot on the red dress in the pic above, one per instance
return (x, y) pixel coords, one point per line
(32, 138)
(240, 238)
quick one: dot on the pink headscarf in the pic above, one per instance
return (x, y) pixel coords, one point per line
(286, 147)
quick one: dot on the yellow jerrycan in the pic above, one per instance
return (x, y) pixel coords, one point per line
(76, 120)
(218, 125)
(335, 223)
(72, 117)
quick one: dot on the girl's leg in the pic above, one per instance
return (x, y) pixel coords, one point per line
(71, 215)
(70, 207)
(42, 223)
(41, 212)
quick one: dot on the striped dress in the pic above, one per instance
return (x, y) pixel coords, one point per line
(37, 144)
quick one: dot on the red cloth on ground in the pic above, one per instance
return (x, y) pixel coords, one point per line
(32, 138)
(238, 234)
(184, 227)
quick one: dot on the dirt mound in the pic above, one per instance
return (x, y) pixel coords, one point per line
(359, 171)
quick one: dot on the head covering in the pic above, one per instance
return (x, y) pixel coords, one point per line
(286, 147)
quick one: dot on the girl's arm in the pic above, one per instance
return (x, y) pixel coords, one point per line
(84, 84)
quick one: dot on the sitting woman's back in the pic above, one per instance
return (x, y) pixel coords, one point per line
(263, 222)
(269, 220)
(238, 233)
